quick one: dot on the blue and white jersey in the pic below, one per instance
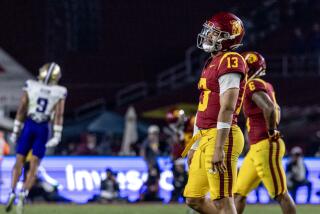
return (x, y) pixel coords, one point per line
(42, 99)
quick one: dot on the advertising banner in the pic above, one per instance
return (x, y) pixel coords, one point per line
(78, 178)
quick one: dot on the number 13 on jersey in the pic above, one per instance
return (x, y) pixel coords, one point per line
(232, 62)
(203, 104)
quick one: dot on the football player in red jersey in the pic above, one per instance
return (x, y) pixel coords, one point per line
(264, 159)
(219, 141)
(179, 131)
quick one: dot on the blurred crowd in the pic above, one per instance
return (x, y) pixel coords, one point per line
(272, 21)
(166, 141)
(306, 40)
(306, 30)
(299, 126)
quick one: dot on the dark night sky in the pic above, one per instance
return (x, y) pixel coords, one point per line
(103, 45)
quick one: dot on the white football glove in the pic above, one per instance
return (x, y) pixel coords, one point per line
(15, 132)
(13, 137)
(55, 140)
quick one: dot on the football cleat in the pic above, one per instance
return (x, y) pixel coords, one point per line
(50, 73)
(256, 64)
(10, 202)
(223, 32)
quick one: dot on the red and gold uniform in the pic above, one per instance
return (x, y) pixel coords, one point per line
(209, 104)
(264, 159)
(201, 179)
(256, 124)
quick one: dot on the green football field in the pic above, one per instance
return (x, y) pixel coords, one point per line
(146, 208)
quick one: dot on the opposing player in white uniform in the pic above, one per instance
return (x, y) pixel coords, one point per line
(41, 101)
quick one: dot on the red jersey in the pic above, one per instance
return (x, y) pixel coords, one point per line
(256, 124)
(209, 104)
(178, 147)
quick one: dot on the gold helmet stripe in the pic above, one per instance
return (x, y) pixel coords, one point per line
(50, 70)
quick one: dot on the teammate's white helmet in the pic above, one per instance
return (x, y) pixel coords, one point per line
(50, 73)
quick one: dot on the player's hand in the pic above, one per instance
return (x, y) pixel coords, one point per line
(13, 137)
(53, 142)
(274, 135)
(190, 156)
(218, 164)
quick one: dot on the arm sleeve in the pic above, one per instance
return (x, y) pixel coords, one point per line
(229, 80)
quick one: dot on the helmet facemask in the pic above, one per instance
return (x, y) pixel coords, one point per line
(259, 73)
(210, 39)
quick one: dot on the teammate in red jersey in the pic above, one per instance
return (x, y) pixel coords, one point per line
(264, 159)
(219, 140)
(179, 131)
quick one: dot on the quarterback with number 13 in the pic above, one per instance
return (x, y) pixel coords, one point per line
(219, 141)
